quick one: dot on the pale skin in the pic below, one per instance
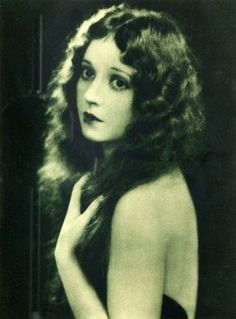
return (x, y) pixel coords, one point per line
(154, 254)
(154, 244)
(104, 89)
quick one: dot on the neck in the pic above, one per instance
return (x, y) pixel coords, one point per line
(108, 148)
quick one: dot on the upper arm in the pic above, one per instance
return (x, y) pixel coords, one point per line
(139, 241)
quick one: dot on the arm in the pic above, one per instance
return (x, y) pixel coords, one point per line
(136, 273)
(82, 297)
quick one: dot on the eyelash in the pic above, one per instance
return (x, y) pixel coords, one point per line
(114, 78)
(83, 73)
(125, 85)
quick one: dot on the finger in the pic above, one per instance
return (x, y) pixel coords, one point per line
(74, 205)
(90, 211)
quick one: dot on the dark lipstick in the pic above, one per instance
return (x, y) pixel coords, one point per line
(88, 117)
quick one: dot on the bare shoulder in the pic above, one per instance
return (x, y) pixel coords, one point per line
(154, 245)
(164, 204)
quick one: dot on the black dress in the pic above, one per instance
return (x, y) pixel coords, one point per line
(94, 263)
(170, 310)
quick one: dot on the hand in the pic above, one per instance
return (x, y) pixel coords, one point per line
(75, 223)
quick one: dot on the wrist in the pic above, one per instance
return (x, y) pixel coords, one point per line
(65, 257)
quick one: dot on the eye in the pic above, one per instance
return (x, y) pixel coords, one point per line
(87, 73)
(118, 83)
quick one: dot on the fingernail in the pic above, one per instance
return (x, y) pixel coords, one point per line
(101, 198)
(85, 177)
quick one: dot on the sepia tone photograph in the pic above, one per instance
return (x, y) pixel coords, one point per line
(118, 159)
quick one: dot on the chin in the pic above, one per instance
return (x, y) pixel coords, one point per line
(93, 137)
(99, 135)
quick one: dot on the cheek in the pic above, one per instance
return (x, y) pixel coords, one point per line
(80, 91)
(124, 116)
(129, 106)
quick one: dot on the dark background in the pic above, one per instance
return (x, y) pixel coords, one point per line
(210, 26)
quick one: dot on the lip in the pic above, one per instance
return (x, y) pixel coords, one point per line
(91, 117)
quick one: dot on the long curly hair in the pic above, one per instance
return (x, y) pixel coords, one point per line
(165, 131)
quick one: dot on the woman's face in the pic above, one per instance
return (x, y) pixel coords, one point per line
(104, 92)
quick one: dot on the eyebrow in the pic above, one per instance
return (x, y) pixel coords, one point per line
(112, 68)
(86, 61)
(122, 71)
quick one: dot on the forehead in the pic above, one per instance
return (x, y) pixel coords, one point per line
(105, 53)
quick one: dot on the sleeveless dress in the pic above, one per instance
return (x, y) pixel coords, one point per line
(95, 266)
(170, 310)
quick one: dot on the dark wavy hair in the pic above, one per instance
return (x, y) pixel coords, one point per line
(165, 131)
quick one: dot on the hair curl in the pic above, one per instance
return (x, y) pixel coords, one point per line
(165, 131)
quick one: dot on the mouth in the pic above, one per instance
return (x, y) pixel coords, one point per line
(89, 117)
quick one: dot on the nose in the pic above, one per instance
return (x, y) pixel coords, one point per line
(93, 92)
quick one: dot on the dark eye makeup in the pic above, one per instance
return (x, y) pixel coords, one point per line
(87, 72)
(119, 83)
(116, 81)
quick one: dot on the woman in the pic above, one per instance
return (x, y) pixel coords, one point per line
(125, 113)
